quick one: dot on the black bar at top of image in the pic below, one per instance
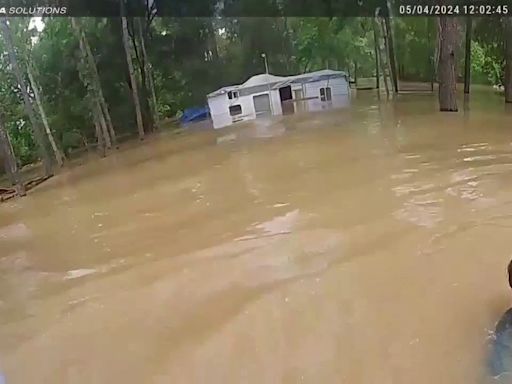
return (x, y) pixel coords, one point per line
(234, 8)
(208, 8)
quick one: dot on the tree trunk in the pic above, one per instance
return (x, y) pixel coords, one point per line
(94, 80)
(391, 53)
(212, 38)
(507, 24)
(29, 109)
(447, 71)
(10, 163)
(133, 79)
(355, 73)
(147, 115)
(376, 49)
(467, 54)
(56, 151)
(149, 75)
(86, 74)
(103, 125)
(103, 103)
(99, 130)
(432, 66)
(384, 59)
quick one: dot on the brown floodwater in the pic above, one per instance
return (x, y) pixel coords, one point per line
(364, 245)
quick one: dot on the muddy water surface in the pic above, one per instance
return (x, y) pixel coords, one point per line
(365, 245)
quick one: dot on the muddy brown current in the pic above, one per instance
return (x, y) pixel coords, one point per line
(364, 245)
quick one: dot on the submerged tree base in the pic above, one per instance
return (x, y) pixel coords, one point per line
(9, 193)
(449, 110)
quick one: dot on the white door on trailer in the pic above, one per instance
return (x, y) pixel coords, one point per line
(262, 105)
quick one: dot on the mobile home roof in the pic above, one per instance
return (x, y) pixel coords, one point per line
(256, 82)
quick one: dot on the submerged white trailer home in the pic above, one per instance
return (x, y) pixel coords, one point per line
(266, 95)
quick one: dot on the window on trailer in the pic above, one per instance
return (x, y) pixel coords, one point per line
(325, 94)
(235, 110)
(232, 95)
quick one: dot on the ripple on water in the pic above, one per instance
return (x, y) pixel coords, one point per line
(406, 189)
(423, 213)
(278, 225)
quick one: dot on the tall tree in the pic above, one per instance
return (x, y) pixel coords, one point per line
(376, 49)
(507, 30)
(29, 109)
(100, 129)
(9, 159)
(383, 55)
(133, 78)
(21, 35)
(92, 78)
(89, 81)
(391, 52)
(447, 64)
(431, 47)
(56, 151)
(148, 71)
(467, 55)
(101, 99)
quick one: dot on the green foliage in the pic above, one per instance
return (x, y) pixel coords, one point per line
(489, 40)
(415, 48)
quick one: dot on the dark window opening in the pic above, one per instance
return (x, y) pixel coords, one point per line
(235, 110)
(286, 96)
(232, 95)
(325, 94)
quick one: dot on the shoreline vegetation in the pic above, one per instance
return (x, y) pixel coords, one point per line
(123, 77)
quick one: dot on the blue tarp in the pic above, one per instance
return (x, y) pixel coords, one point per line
(195, 114)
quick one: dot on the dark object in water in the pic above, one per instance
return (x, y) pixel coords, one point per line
(509, 269)
(9, 193)
(194, 114)
(500, 357)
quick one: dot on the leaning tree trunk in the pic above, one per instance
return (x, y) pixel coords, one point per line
(133, 79)
(447, 71)
(56, 151)
(391, 53)
(10, 163)
(103, 124)
(143, 90)
(96, 112)
(101, 98)
(29, 109)
(467, 54)
(376, 52)
(92, 81)
(148, 69)
(87, 78)
(507, 28)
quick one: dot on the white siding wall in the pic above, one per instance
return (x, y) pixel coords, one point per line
(339, 90)
(247, 108)
(219, 108)
(275, 100)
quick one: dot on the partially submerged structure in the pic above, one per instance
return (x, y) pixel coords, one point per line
(266, 95)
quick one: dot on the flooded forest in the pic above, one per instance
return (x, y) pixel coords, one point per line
(361, 244)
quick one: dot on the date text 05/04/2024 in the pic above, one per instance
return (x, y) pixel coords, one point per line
(453, 10)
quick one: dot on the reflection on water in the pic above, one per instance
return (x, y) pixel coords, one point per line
(361, 245)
